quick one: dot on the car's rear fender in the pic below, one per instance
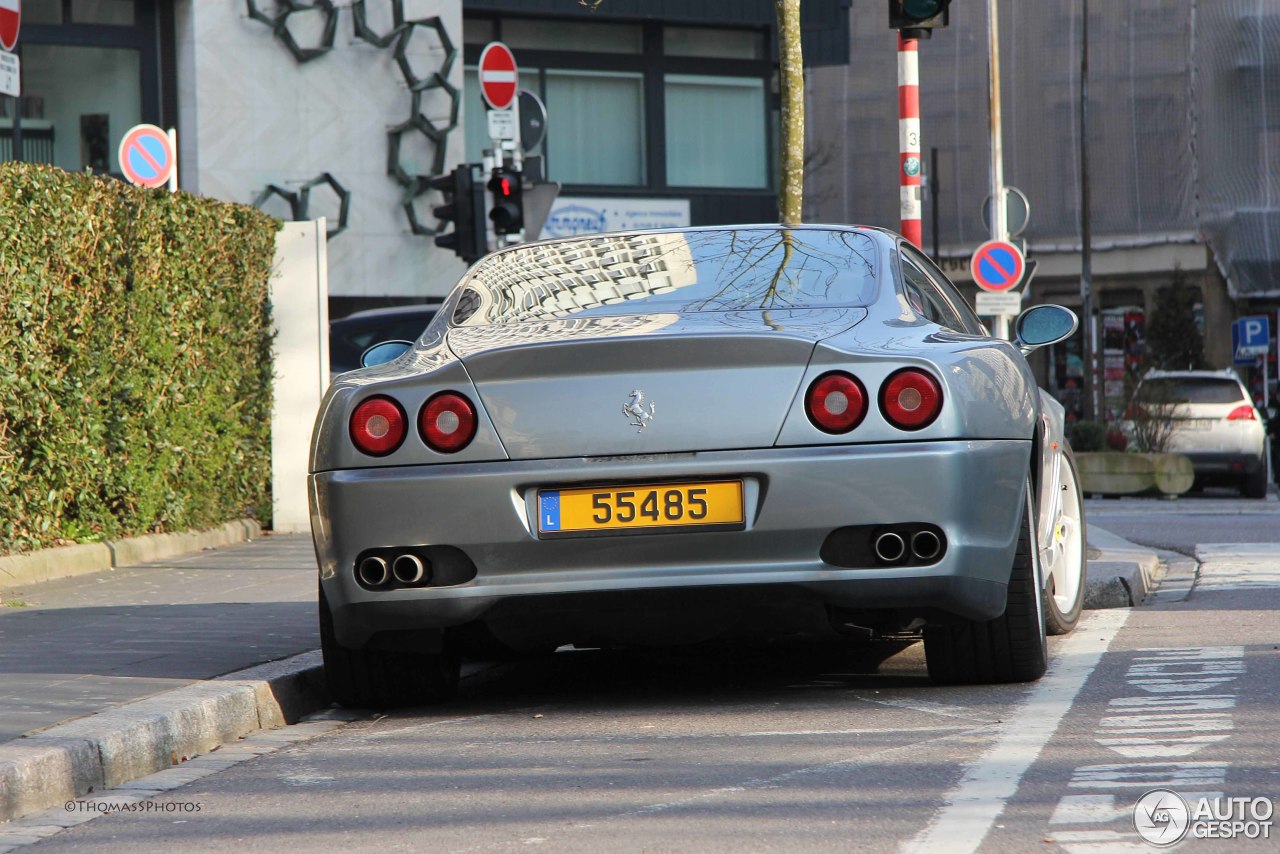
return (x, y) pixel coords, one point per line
(988, 392)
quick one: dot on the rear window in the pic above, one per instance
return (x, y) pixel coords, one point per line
(672, 272)
(1189, 390)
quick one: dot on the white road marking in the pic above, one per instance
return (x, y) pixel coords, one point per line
(1238, 566)
(1173, 719)
(974, 804)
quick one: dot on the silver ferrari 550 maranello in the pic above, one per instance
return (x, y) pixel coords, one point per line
(672, 436)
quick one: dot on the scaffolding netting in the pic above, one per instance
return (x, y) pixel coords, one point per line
(1183, 126)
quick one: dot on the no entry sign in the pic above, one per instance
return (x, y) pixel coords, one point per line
(498, 76)
(146, 156)
(10, 23)
(997, 265)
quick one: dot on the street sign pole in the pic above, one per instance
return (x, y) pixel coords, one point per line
(999, 211)
(909, 166)
(173, 173)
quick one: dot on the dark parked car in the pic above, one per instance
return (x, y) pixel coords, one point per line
(350, 336)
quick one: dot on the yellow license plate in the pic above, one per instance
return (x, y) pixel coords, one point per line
(619, 509)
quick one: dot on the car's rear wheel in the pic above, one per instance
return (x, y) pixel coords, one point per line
(1010, 648)
(1255, 485)
(1063, 560)
(380, 679)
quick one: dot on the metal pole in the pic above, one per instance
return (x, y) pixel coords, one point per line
(935, 189)
(909, 139)
(173, 173)
(999, 211)
(17, 129)
(1093, 405)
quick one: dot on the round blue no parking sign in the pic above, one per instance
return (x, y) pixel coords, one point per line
(997, 265)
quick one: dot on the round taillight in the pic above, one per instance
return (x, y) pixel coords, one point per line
(911, 399)
(447, 422)
(836, 402)
(378, 426)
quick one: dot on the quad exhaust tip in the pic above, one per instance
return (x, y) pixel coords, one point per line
(373, 572)
(408, 569)
(925, 545)
(890, 547)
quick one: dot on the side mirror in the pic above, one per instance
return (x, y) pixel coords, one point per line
(387, 351)
(1044, 324)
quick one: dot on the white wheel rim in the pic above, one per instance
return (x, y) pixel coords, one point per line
(1064, 557)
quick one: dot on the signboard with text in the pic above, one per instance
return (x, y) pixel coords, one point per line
(10, 75)
(572, 215)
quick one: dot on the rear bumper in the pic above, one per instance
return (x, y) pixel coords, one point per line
(795, 497)
(1224, 464)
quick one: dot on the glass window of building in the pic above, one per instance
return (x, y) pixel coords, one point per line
(558, 34)
(595, 127)
(77, 103)
(716, 131)
(117, 12)
(712, 43)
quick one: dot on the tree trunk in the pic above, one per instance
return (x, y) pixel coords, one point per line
(791, 160)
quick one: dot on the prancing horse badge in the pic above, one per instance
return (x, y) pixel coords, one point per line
(636, 411)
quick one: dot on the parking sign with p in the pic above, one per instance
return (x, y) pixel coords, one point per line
(1250, 338)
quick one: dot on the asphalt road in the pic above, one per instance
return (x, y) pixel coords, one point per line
(792, 748)
(1215, 516)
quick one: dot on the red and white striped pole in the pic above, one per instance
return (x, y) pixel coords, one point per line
(909, 139)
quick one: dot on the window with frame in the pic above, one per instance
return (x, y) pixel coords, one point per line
(925, 300)
(715, 131)
(643, 105)
(960, 307)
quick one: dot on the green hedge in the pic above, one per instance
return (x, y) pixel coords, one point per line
(135, 359)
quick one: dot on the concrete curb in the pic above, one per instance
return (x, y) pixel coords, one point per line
(1123, 574)
(64, 561)
(140, 738)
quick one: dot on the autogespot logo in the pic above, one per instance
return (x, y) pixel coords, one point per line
(1161, 817)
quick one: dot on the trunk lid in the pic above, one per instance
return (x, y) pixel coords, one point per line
(643, 384)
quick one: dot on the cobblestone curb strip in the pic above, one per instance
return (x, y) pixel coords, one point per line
(141, 738)
(48, 564)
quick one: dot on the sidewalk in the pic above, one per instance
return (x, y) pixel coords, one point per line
(108, 677)
(76, 646)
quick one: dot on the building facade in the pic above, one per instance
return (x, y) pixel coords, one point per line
(658, 112)
(1183, 105)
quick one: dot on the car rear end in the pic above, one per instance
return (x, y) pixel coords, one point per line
(1213, 422)
(672, 475)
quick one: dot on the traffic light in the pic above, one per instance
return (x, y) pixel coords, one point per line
(464, 207)
(507, 212)
(922, 15)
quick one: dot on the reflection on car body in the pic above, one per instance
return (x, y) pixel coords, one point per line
(812, 456)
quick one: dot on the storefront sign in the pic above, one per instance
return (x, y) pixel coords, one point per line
(577, 215)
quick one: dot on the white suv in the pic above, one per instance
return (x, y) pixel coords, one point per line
(1212, 421)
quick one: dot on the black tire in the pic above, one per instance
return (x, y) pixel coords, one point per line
(1010, 648)
(1057, 621)
(1255, 485)
(383, 679)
